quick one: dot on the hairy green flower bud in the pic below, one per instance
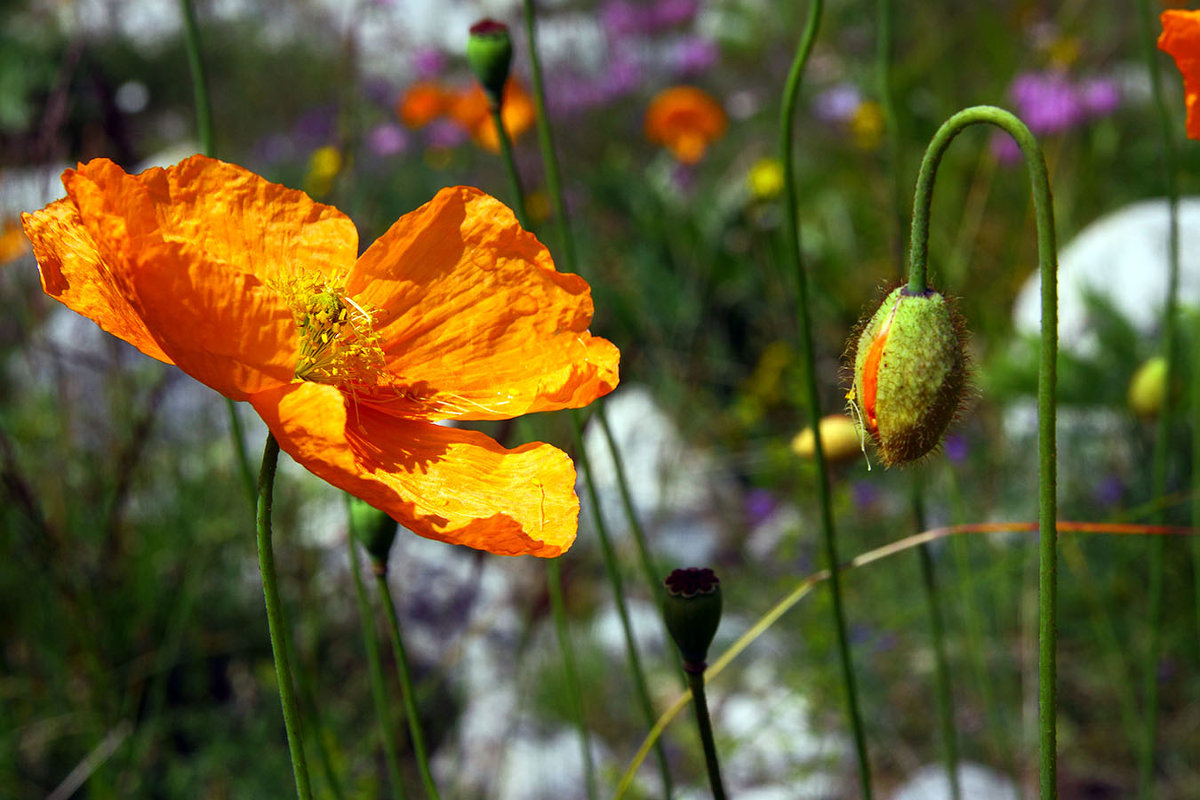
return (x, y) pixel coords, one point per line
(693, 612)
(489, 52)
(909, 374)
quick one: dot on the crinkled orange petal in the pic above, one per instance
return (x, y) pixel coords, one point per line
(1181, 39)
(198, 244)
(454, 485)
(475, 321)
(76, 274)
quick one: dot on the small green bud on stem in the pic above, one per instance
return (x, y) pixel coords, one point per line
(489, 52)
(693, 612)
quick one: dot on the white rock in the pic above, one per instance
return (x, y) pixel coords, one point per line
(1121, 257)
(975, 782)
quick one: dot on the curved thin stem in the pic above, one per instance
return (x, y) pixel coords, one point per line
(514, 177)
(700, 703)
(614, 577)
(275, 621)
(374, 667)
(792, 233)
(546, 142)
(406, 685)
(191, 37)
(559, 611)
(1047, 381)
(1162, 432)
(945, 694)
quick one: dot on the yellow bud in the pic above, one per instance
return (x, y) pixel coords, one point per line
(840, 439)
(1148, 388)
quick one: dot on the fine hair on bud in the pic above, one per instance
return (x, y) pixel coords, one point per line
(909, 373)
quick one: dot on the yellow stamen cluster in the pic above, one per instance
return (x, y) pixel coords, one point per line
(338, 342)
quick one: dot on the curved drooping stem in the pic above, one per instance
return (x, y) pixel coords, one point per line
(808, 352)
(1047, 382)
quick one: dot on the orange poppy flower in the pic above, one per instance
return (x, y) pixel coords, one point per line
(421, 104)
(254, 289)
(685, 120)
(471, 110)
(1181, 40)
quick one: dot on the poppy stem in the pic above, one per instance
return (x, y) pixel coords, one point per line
(558, 609)
(704, 724)
(808, 352)
(1047, 381)
(506, 152)
(614, 577)
(546, 141)
(650, 571)
(191, 38)
(945, 693)
(406, 684)
(275, 620)
(1162, 431)
(374, 664)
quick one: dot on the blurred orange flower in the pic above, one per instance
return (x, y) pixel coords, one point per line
(1181, 40)
(254, 289)
(13, 243)
(470, 110)
(422, 103)
(685, 120)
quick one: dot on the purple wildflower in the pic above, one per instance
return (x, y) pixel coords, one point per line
(668, 13)
(621, 18)
(445, 133)
(955, 444)
(839, 103)
(693, 54)
(387, 139)
(1047, 102)
(760, 506)
(429, 63)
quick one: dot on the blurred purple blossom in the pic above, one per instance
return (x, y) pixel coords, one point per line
(621, 18)
(429, 63)
(315, 128)
(956, 448)
(693, 54)
(838, 103)
(1050, 103)
(668, 13)
(865, 494)
(387, 139)
(1109, 491)
(444, 133)
(760, 506)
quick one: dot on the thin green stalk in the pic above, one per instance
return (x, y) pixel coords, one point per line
(808, 351)
(191, 38)
(204, 133)
(884, 47)
(973, 620)
(553, 575)
(610, 561)
(546, 142)
(506, 152)
(275, 621)
(1162, 432)
(315, 728)
(554, 186)
(406, 685)
(614, 577)
(945, 694)
(375, 668)
(558, 609)
(1047, 381)
(700, 703)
